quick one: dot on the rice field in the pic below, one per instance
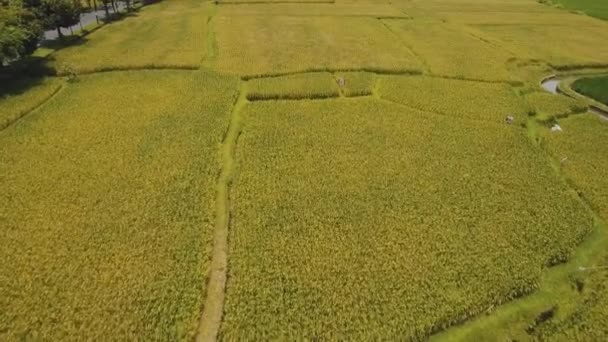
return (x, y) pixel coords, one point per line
(107, 207)
(345, 227)
(170, 34)
(309, 170)
(459, 98)
(296, 44)
(24, 96)
(303, 86)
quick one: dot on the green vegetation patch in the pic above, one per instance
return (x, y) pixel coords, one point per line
(171, 34)
(359, 219)
(565, 44)
(107, 207)
(24, 95)
(593, 87)
(596, 8)
(265, 45)
(316, 85)
(356, 83)
(548, 106)
(457, 98)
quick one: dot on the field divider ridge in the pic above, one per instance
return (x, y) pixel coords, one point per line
(211, 318)
(7, 123)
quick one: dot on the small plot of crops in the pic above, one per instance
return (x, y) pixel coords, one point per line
(548, 106)
(593, 87)
(457, 98)
(563, 44)
(258, 45)
(107, 208)
(338, 9)
(356, 83)
(596, 8)
(23, 96)
(169, 34)
(449, 50)
(316, 85)
(356, 219)
(582, 149)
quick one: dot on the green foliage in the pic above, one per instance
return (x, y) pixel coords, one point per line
(107, 207)
(23, 96)
(593, 87)
(356, 219)
(548, 106)
(596, 8)
(61, 13)
(302, 86)
(456, 98)
(19, 32)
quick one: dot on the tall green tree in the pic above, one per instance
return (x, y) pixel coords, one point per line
(61, 13)
(20, 31)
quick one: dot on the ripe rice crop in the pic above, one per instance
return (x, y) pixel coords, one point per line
(581, 147)
(356, 219)
(583, 144)
(550, 106)
(169, 34)
(302, 86)
(357, 83)
(23, 96)
(457, 98)
(562, 44)
(338, 9)
(259, 45)
(107, 207)
(450, 50)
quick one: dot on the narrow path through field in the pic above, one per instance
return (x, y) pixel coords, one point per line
(211, 318)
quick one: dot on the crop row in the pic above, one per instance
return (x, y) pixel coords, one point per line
(361, 219)
(300, 86)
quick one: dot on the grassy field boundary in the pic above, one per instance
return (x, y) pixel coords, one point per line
(211, 318)
(5, 124)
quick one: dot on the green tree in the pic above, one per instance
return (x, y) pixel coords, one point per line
(20, 31)
(61, 13)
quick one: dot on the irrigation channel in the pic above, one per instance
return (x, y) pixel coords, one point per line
(552, 85)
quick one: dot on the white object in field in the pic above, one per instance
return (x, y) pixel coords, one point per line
(556, 128)
(509, 119)
(341, 82)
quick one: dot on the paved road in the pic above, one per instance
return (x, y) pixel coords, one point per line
(85, 19)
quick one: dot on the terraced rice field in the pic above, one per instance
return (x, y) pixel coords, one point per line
(309, 170)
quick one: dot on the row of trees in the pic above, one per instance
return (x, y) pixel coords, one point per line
(23, 22)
